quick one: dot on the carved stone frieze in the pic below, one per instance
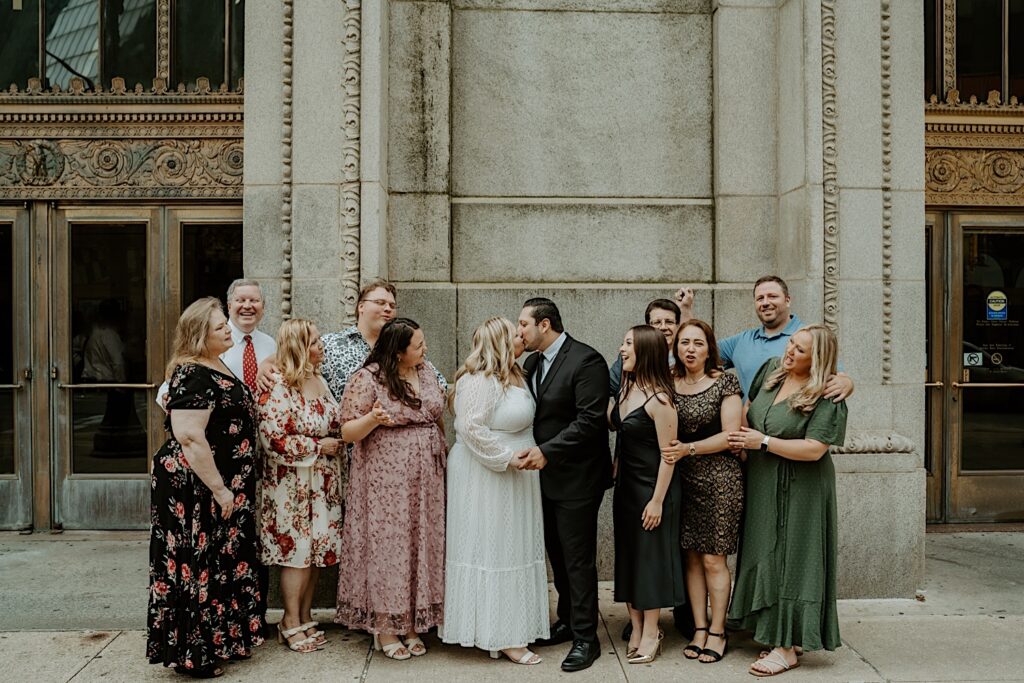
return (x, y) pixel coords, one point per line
(286, 158)
(948, 45)
(867, 443)
(350, 188)
(974, 177)
(887, 245)
(68, 168)
(830, 189)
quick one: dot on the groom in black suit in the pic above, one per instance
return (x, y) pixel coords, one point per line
(569, 381)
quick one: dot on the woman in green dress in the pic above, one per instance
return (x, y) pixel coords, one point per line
(786, 568)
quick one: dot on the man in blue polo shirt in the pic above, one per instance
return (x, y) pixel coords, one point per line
(748, 350)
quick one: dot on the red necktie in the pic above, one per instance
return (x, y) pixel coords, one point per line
(249, 364)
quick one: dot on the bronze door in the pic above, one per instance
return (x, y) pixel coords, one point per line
(16, 479)
(985, 363)
(118, 279)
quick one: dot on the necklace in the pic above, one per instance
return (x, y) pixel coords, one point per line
(696, 381)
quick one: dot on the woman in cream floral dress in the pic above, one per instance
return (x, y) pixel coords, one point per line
(300, 497)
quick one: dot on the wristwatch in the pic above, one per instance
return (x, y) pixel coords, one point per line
(693, 450)
(764, 443)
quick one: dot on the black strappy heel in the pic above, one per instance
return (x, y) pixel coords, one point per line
(693, 648)
(716, 656)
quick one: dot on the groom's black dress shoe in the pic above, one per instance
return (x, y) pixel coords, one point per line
(582, 655)
(560, 633)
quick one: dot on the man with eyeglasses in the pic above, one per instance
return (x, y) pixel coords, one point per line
(346, 351)
(665, 316)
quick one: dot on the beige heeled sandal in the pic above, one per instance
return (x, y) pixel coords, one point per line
(391, 650)
(304, 646)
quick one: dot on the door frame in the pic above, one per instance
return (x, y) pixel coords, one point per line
(84, 501)
(936, 457)
(973, 494)
(16, 489)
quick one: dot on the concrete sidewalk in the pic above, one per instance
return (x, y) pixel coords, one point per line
(72, 608)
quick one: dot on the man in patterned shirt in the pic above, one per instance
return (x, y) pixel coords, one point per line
(346, 351)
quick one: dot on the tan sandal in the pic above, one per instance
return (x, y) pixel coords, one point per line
(317, 635)
(416, 647)
(775, 663)
(391, 650)
(528, 658)
(304, 646)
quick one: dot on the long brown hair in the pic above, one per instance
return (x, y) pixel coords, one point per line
(712, 363)
(191, 332)
(394, 339)
(650, 371)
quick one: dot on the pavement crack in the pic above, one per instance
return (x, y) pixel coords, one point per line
(366, 664)
(93, 658)
(861, 657)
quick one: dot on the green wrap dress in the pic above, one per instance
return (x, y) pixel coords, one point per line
(786, 567)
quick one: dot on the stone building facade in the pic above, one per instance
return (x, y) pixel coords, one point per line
(478, 152)
(603, 152)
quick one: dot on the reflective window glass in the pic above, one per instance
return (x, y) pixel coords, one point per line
(993, 347)
(7, 371)
(1016, 49)
(979, 47)
(129, 41)
(108, 346)
(211, 258)
(237, 47)
(72, 42)
(19, 43)
(198, 41)
(932, 34)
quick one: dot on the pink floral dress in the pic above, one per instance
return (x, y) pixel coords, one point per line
(391, 575)
(300, 494)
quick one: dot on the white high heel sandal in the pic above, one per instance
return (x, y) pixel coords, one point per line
(391, 649)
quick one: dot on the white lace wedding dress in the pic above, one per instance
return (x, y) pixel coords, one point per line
(496, 585)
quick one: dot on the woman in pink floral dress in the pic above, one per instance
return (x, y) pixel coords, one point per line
(391, 575)
(300, 500)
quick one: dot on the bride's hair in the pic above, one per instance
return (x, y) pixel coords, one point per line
(493, 355)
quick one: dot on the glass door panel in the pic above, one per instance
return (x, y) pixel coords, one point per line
(15, 402)
(988, 450)
(107, 355)
(108, 347)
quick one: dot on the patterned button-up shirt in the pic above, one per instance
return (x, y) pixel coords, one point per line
(344, 353)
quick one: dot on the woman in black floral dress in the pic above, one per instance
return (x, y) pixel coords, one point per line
(709, 406)
(204, 598)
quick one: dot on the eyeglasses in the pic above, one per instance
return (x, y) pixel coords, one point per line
(383, 303)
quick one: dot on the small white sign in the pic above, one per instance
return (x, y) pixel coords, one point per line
(973, 359)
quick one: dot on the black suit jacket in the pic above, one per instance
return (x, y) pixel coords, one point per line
(571, 423)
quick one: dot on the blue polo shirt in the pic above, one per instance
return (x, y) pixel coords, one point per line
(748, 350)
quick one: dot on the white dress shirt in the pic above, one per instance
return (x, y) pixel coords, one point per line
(548, 355)
(263, 344)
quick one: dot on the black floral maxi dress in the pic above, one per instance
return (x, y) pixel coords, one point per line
(204, 596)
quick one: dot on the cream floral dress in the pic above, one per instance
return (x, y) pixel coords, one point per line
(300, 493)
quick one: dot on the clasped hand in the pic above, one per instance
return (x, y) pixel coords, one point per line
(745, 439)
(674, 451)
(381, 416)
(530, 459)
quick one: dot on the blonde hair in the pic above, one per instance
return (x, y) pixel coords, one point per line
(294, 338)
(824, 357)
(191, 332)
(493, 354)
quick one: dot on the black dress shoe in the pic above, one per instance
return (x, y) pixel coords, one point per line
(560, 633)
(627, 631)
(582, 655)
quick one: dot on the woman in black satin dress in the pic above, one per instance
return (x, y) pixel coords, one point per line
(648, 562)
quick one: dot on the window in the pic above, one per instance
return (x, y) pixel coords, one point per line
(208, 40)
(98, 40)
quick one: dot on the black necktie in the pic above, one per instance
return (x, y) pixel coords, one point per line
(540, 371)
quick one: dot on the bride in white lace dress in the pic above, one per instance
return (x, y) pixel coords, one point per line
(496, 585)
